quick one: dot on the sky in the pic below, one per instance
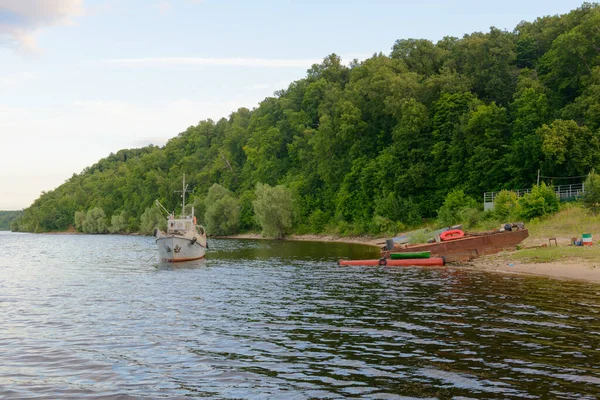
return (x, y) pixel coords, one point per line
(80, 79)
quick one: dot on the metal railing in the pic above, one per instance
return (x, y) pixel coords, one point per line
(564, 192)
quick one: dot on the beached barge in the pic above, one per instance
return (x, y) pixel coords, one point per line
(470, 246)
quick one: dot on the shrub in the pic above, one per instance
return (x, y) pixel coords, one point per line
(118, 223)
(273, 209)
(398, 209)
(541, 201)
(506, 205)
(247, 220)
(151, 219)
(591, 197)
(222, 214)
(470, 216)
(318, 220)
(95, 221)
(386, 226)
(79, 219)
(455, 208)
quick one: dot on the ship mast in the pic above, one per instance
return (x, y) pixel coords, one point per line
(183, 196)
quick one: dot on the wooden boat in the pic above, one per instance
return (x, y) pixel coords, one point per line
(183, 240)
(410, 254)
(415, 262)
(470, 246)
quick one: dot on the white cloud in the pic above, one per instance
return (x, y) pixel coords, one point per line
(21, 19)
(163, 6)
(206, 62)
(16, 78)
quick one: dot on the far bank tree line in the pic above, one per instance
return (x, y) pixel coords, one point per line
(377, 145)
(271, 211)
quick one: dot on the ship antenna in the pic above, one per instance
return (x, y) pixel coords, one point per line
(185, 189)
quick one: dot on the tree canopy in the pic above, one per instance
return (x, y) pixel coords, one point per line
(374, 143)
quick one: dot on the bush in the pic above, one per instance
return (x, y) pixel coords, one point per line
(398, 209)
(79, 219)
(222, 214)
(151, 219)
(541, 201)
(591, 197)
(247, 220)
(506, 205)
(456, 207)
(470, 216)
(273, 209)
(118, 223)
(382, 225)
(95, 221)
(318, 220)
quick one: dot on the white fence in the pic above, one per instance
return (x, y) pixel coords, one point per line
(564, 192)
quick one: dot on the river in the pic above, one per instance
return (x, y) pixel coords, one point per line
(96, 316)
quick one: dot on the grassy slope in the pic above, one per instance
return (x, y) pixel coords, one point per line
(571, 221)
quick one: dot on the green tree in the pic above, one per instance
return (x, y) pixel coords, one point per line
(95, 221)
(118, 223)
(222, 214)
(456, 205)
(506, 205)
(591, 197)
(569, 149)
(273, 210)
(247, 220)
(542, 200)
(151, 219)
(79, 220)
(420, 55)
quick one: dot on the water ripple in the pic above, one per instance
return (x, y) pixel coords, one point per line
(98, 317)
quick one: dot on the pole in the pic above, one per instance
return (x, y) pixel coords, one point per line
(183, 196)
(538, 181)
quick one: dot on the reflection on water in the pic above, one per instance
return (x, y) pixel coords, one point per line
(98, 317)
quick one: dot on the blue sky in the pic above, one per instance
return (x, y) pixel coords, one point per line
(80, 79)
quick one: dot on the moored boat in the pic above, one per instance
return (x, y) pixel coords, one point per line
(415, 262)
(183, 240)
(467, 247)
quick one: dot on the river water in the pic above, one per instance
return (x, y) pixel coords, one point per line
(85, 316)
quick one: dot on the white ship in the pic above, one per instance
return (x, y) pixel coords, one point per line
(183, 240)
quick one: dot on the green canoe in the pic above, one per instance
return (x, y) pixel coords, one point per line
(416, 254)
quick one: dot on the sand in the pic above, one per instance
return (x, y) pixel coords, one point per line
(574, 269)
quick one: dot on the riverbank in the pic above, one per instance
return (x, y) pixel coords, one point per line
(573, 269)
(534, 259)
(366, 240)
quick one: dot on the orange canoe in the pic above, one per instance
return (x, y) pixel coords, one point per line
(419, 262)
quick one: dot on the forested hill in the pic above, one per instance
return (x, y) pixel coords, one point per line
(6, 217)
(384, 139)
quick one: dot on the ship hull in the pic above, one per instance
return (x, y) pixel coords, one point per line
(174, 248)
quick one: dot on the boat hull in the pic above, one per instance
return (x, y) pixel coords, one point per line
(416, 262)
(176, 249)
(467, 247)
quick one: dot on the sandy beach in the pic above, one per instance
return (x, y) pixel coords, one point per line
(574, 269)
(566, 269)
